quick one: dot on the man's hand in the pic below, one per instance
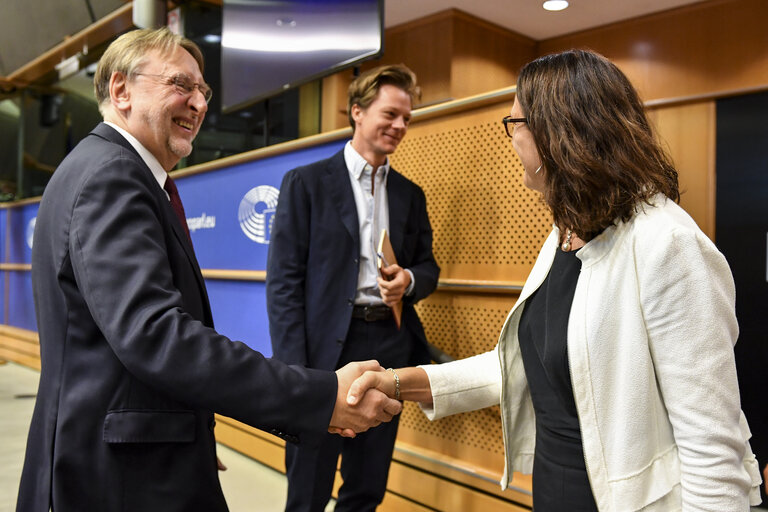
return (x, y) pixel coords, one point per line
(393, 282)
(369, 410)
(380, 380)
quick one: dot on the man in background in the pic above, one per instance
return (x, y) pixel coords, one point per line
(326, 301)
(132, 369)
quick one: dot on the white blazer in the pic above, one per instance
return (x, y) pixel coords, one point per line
(650, 348)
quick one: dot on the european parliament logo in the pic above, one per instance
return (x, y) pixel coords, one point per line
(257, 211)
(31, 231)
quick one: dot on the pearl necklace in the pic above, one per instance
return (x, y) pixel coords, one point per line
(567, 243)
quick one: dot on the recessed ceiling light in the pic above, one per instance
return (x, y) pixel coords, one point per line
(555, 5)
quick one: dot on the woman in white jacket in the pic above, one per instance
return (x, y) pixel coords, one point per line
(615, 369)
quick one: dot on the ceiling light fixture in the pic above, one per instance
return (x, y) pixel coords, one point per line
(555, 5)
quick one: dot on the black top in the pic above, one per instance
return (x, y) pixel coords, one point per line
(559, 476)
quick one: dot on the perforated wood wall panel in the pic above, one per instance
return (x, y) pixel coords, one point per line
(487, 225)
(461, 325)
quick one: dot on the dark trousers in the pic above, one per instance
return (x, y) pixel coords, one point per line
(365, 458)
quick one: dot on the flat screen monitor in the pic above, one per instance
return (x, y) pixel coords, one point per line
(268, 46)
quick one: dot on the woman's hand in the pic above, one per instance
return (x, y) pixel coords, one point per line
(413, 382)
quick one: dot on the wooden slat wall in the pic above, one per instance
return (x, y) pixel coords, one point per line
(688, 131)
(485, 56)
(20, 346)
(703, 49)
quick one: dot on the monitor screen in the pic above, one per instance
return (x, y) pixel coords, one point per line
(268, 46)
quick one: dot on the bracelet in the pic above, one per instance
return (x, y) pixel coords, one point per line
(397, 383)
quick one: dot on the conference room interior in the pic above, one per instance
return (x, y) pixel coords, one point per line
(700, 66)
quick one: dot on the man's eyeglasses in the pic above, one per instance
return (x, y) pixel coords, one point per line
(509, 120)
(184, 85)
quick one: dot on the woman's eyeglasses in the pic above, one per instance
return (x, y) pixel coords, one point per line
(509, 120)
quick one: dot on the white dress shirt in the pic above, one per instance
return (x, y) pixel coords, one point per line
(369, 187)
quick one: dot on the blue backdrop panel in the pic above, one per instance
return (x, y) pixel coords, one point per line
(22, 226)
(3, 234)
(3, 297)
(229, 211)
(240, 312)
(21, 307)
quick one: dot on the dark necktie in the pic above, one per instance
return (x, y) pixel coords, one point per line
(178, 208)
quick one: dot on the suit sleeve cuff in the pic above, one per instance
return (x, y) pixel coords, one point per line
(409, 290)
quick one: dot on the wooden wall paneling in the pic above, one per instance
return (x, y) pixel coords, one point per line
(263, 447)
(333, 108)
(440, 494)
(396, 503)
(485, 56)
(688, 131)
(20, 346)
(309, 108)
(462, 325)
(9, 354)
(705, 48)
(457, 472)
(424, 46)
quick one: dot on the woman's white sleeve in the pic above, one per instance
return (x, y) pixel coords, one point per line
(463, 385)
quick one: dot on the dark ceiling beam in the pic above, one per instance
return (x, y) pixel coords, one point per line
(41, 69)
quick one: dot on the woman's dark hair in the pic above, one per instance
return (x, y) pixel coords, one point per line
(600, 155)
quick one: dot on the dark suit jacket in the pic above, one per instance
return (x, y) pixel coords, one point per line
(132, 370)
(314, 251)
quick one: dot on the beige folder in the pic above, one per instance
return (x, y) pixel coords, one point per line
(386, 257)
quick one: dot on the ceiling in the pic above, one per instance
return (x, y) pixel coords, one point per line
(31, 27)
(528, 18)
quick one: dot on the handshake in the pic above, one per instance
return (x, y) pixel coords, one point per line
(363, 399)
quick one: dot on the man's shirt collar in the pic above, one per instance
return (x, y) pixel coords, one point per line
(356, 164)
(154, 165)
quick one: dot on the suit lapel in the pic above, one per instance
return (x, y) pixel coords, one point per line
(107, 132)
(336, 182)
(397, 199)
(181, 237)
(186, 245)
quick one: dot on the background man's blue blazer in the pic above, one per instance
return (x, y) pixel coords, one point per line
(132, 370)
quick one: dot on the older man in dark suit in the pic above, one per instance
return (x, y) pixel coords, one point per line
(132, 370)
(327, 304)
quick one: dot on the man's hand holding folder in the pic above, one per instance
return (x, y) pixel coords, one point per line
(394, 280)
